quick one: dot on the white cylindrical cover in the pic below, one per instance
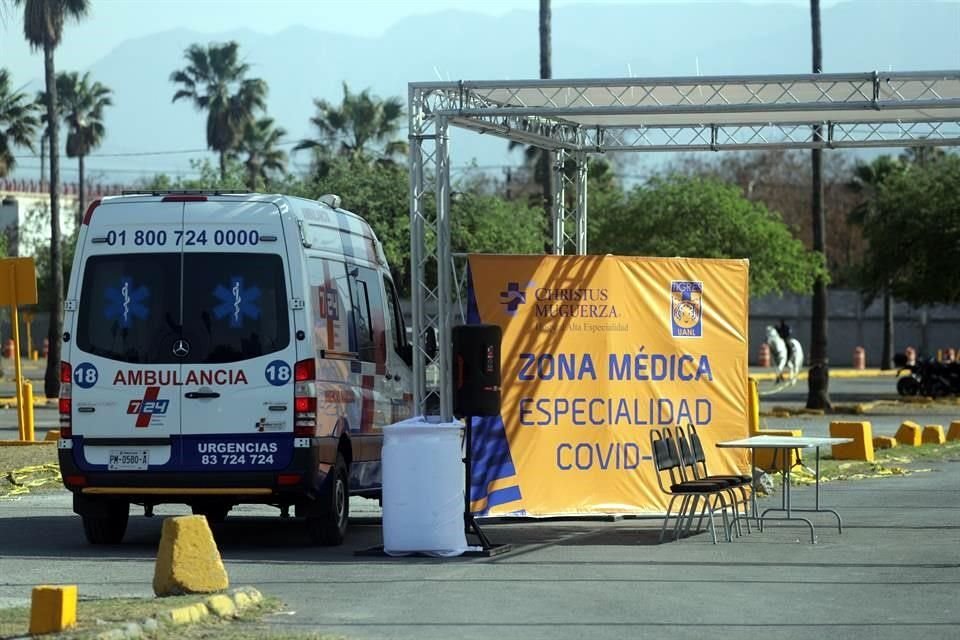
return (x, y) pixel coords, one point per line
(423, 488)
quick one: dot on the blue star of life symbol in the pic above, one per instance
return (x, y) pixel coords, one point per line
(125, 302)
(236, 302)
(513, 297)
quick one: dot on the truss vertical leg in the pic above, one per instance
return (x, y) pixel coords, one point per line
(424, 225)
(559, 208)
(580, 211)
(445, 275)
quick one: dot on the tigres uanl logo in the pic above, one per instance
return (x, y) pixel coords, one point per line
(686, 308)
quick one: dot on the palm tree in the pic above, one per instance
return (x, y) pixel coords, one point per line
(81, 106)
(18, 122)
(43, 28)
(866, 181)
(214, 80)
(361, 122)
(818, 381)
(541, 160)
(545, 160)
(259, 142)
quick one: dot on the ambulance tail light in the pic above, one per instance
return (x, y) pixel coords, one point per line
(305, 411)
(305, 398)
(66, 401)
(305, 370)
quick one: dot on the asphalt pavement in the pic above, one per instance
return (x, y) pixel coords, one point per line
(893, 572)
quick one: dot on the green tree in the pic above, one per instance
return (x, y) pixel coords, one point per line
(81, 105)
(866, 182)
(215, 80)
(209, 178)
(380, 194)
(703, 217)
(18, 122)
(914, 238)
(362, 126)
(43, 22)
(259, 143)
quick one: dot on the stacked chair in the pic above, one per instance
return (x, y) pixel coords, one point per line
(682, 474)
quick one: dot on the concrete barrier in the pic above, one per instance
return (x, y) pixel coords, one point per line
(884, 442)
(933, 434)
(188, 560)
(909, 434)
(862, 446)
(954, 432)
(53, 609)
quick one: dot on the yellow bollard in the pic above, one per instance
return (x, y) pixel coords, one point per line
(53, 609)
(27, 395)
(34, 355)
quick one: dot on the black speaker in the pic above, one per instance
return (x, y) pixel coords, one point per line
(476, 370)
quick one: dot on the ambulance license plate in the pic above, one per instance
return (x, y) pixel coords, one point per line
(128, 460)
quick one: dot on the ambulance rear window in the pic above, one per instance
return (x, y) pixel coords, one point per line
(130, 307)
(234, 306)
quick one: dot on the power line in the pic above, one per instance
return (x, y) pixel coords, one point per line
(168, 152)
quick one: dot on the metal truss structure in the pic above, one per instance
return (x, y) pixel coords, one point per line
(576, 118)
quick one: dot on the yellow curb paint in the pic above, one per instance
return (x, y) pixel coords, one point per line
(25, 443)
(834, 373)
(222, 606)
(53, 609)
(933, 434)
(188, 614)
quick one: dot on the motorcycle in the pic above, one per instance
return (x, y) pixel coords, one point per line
(927, 377)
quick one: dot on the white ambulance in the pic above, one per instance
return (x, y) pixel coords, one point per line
(224, 349)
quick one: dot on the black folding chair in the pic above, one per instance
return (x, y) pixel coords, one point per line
(674, 483)
(694, 460)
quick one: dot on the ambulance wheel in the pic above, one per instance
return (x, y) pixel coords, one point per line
(328, 527)
(215, 513)
(107, 527)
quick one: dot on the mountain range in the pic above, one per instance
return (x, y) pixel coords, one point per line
(594, 39)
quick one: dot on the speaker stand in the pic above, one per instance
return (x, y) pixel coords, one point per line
(471, 526)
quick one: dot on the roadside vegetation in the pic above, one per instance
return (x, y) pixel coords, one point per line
(95, 616)
(897, 461)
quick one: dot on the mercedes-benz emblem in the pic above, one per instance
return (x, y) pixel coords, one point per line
(181, 348)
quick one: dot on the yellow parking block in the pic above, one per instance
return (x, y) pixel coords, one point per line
(954, 432)
(188, 560)
(909, 434)
(862, 446)
(53, 609)
(933, 434)
(884, 442)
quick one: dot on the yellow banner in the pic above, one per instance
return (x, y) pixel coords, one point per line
(597, 351)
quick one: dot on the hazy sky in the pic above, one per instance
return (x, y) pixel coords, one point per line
(112, 21)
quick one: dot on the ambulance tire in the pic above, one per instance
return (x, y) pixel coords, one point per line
(107, 527)
(329, 526)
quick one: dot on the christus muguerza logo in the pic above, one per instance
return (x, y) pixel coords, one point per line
(513, 297)
(686, 308)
